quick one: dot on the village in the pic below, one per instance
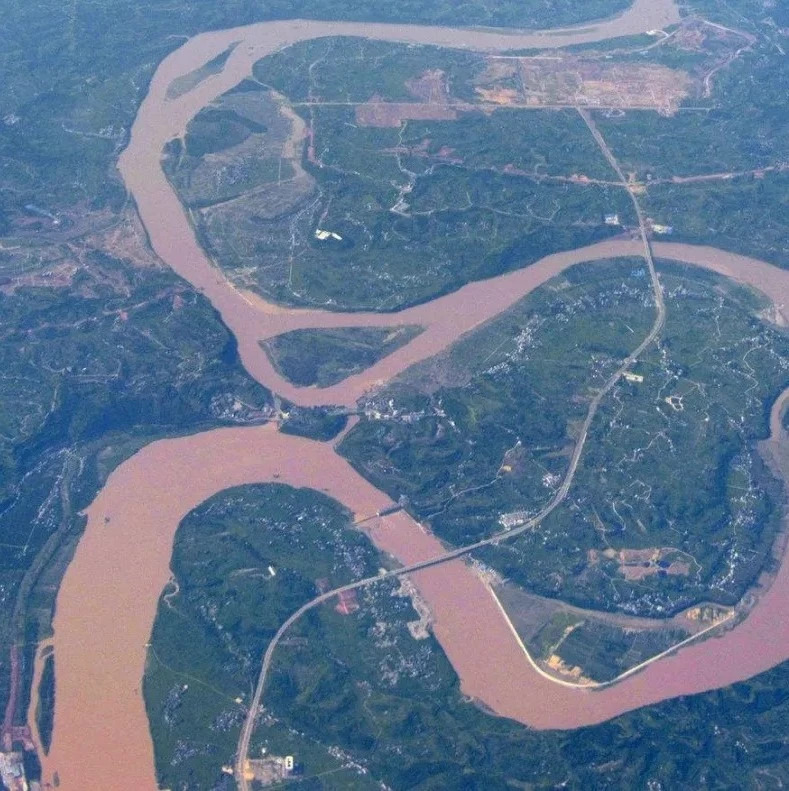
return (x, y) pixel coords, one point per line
(13, 774)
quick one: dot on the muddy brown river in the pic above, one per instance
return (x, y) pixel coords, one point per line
(108, 599)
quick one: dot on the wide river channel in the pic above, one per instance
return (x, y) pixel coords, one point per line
(108, 599)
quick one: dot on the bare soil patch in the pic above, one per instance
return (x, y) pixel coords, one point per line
(635, 564)
(391, 114)
(545, 81)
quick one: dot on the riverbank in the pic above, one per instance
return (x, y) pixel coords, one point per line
(101, 733)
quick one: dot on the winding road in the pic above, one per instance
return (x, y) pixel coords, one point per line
(242, 751)
(121, 564)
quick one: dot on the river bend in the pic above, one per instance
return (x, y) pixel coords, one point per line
(108, 599)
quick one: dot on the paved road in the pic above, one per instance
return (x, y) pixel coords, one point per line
(242, 751)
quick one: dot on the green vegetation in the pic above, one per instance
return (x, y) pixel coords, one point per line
(452, 225)
(618, 43)
(689, 143)
(73, 76)
(604, 651)
(411, 225)
(538, 142)
(45, 711)
(184, 84)
(100, 357)
(417, 207)
(390, 71)
(122, 349)
(321, 423)
(246, 128)
(745, 215)
(592, 644)
(737, 126)
(243, 561)
(671, 463)
(480, 437)
(557, 143)
(93, 368)
(740, 125)
(601, 650)
(692, 143)
(325, 357)
(359, 702)
(483, 428)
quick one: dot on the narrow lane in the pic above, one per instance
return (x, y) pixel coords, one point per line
(123, 567)
(242, 751)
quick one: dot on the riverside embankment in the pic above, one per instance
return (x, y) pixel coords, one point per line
(108, 599)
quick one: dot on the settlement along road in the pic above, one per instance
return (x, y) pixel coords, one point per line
(108, 599)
